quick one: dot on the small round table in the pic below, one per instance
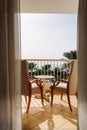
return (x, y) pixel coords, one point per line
(46, 85)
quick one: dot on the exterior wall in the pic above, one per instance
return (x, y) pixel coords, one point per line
(49, 6)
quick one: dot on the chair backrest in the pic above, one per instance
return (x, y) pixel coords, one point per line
(25, 84)
(73, 77)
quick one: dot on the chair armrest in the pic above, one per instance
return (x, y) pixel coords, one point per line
(37, 81)
(56, 82)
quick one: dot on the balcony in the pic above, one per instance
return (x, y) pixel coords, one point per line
(50, 118)
(57, 68)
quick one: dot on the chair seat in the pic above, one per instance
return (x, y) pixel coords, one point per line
(61, 87)
(34, 85)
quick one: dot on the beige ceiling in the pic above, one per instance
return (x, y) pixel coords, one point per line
(49, 6)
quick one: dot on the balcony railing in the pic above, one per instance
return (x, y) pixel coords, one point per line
(59, 68)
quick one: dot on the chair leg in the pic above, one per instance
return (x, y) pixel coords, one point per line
(61, 95)
(76, 95)
(51, 96)
(25, 99)
(68, 97)
(41, 89)
(29, 101)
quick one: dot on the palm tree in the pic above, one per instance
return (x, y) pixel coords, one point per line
(70, 55)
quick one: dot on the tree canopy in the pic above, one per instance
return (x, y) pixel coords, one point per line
(70, 55)
(32, 66)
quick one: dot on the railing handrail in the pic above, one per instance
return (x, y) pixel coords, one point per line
(58, 67)
(35, 59)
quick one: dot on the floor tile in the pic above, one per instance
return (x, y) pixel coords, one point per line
(57, 117)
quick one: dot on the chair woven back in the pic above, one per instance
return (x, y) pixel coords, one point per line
(73, 78)
(25, 84)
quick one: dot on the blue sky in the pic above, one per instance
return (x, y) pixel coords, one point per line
(47, 35)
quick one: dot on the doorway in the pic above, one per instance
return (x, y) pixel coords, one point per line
(35, 111)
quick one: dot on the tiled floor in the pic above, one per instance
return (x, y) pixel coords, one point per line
(58, 117)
